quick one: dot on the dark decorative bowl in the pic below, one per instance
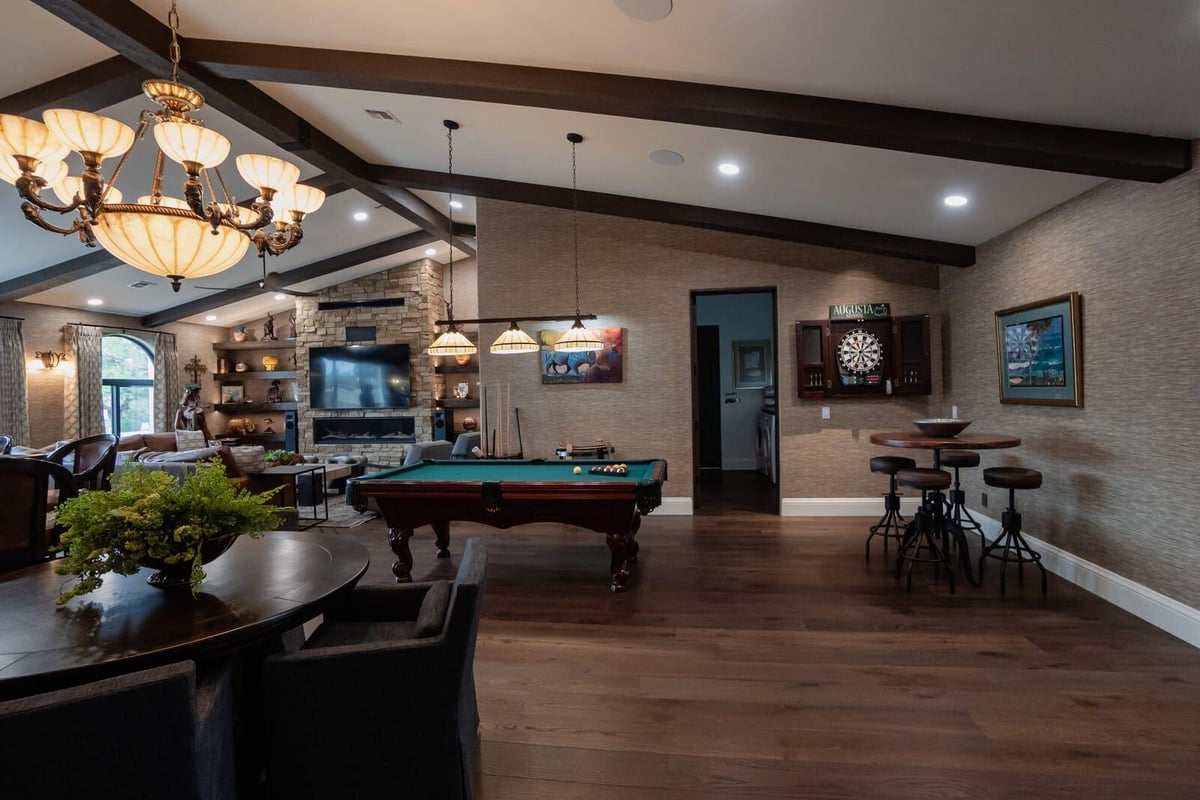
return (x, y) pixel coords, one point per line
(942, 427)
(176, 576)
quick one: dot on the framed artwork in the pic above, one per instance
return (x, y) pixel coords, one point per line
(1040, 349)
(603, 366)
(752, 364)
(231, 393)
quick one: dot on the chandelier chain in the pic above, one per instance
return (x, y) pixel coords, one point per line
(575, 222)
(173, 22)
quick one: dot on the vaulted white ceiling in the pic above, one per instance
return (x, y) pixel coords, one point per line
(1109, 64)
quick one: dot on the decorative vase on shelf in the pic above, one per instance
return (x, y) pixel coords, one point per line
(270, 363)
(240, 366)
(239, 333)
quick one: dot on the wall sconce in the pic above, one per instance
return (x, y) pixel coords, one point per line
(50, 359)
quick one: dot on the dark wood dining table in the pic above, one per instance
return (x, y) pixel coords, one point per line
(257, 589)
(963, 441)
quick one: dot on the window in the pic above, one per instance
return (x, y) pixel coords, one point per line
(127, 375)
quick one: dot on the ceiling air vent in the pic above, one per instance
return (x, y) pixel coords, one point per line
(378, 113)
(141, 284)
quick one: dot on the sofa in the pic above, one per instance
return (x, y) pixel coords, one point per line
(158, 451)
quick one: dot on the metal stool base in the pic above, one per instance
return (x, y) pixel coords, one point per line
(1015, 549)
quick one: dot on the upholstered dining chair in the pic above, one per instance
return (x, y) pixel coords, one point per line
(380, 701)
(95, 459)
(6, 444)
(154, 733)
(27, 529)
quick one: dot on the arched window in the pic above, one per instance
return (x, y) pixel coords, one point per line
(127, 374)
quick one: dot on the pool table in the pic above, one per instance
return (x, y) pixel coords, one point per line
(504, 493)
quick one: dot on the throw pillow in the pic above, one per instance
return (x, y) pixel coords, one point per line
(189, 440)
(432, 616)
(250, 458)
(199, 454)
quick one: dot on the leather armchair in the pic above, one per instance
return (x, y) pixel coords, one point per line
(95, 458)
(27, 529)
(375, 706)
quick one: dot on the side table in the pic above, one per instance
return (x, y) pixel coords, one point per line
(305, 488)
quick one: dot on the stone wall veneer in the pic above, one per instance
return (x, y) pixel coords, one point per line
(420, 284)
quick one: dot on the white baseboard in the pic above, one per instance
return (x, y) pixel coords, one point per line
(841, 506)
(1161, 611)
(675, 507)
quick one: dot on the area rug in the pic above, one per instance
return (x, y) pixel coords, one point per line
(344, 516)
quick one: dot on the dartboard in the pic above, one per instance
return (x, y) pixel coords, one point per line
(859, 351)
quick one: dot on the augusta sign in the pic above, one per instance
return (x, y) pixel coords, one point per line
(861, 311)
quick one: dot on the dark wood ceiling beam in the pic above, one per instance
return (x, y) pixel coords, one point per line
(92, 88)
(308, 272)
(886, 244)
(100, 260)
(1062, 148)
(139, 37)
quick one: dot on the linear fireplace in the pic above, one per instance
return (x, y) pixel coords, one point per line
(362, 430)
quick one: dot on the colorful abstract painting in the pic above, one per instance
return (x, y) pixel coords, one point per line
(602, 366)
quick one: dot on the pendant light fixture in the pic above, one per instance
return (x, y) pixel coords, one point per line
(452, 342)
(514, 340)
(579, 339)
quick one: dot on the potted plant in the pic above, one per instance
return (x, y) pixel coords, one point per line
(151, 519)
(283, 458)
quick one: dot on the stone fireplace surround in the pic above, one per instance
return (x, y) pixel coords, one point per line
(420, 284)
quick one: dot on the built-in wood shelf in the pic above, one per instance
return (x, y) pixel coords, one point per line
(455, 402)
(283, 344)
(256, 438)
(253, 408)
(455, 368)
(264, 375)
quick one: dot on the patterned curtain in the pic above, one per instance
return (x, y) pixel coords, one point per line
(166, 381)
(14, 403)
(83, 413)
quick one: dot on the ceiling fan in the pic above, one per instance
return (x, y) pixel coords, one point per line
(269, 282)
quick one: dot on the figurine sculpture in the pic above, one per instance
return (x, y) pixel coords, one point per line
(273, 393)
(269, 329)
(190, 416)
(291, 325)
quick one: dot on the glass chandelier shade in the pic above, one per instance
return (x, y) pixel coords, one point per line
(27, 137)
(70, 186)
(163, 201)
(52, 171)
(266, 173)
(85, 132)
(452, 343)
(514, 340)
(299, 199)
(579, 339)
(171, 245)
(184, 143)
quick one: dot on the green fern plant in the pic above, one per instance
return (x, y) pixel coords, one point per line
(150, 515)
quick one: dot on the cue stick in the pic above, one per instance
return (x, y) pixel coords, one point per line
(483, 416)
(520, 444)
(499, 432)
(508, 428)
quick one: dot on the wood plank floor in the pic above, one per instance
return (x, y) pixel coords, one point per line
(760, 657)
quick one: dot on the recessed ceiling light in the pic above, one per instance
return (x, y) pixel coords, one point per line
(729, 168)
(645, 10)
(955, 200)
(456, 204)
(210, 318)
(360, 216)
(668, 158)
(431, 251)
(280, 296)
(95, 301)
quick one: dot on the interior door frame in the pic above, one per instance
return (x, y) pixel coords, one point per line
(775, 339)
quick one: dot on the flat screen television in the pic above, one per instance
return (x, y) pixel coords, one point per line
(364, 376)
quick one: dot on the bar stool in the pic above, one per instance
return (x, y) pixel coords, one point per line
(929, 527)
(957, 509)
(1010, 538)
(891, 525)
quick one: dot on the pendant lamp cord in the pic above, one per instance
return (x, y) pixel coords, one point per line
(173, 22)
(450, 171)
(575, 219)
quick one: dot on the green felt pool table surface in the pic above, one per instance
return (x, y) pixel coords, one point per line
(529, 471)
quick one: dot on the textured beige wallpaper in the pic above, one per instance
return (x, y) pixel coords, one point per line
(1121, 473)
(42, 330)
(639, 275)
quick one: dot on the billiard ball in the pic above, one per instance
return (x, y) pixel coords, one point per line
(578, 470)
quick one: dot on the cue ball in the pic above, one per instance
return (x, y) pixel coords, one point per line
(578, 470)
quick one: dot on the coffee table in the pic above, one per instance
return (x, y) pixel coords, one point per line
(305, 486)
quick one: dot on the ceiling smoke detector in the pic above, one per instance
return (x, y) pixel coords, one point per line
(380, 114)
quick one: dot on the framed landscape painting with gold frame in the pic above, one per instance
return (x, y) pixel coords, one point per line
(1040, 351)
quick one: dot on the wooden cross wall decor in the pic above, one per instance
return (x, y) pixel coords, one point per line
(195, 369)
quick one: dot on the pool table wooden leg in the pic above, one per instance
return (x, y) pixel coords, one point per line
(402, 566)
(632, 544)
(618, 544)
(441, 530)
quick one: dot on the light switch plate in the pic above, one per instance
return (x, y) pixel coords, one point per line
(824, 412)
(953, 412)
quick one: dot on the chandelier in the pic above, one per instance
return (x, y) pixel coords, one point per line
(175, 238)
